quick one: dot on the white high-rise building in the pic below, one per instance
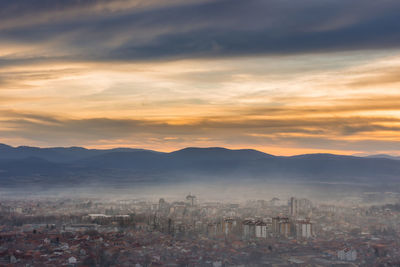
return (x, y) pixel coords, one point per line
(304, 229)
(261, 229)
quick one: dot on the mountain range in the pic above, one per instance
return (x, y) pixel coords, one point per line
(58, 166)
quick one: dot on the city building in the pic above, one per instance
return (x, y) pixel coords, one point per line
(303, 229)
(261, 229)
(347, 254)
(191, 200)
(293, 207)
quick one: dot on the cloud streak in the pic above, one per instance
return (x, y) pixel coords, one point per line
(337, 132)
(154, 30)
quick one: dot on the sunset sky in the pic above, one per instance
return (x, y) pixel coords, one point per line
(281, 76)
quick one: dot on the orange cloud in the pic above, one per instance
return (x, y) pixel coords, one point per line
(233, 103)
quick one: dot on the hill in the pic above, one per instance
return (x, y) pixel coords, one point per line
(58, 166)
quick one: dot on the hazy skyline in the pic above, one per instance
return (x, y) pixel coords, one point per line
(283, 77)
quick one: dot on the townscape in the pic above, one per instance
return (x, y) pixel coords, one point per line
(199, 133)
(195, 232)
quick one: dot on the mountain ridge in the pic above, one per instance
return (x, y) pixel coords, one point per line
(63, 165)
(31, 149)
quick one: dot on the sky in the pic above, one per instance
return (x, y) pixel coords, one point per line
(284, 77)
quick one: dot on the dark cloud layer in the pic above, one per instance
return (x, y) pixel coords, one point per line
(105, 30)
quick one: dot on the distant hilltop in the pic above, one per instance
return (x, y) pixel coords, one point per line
(58, 166)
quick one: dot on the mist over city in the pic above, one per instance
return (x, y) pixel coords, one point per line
(196, 207)
(193, 133)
